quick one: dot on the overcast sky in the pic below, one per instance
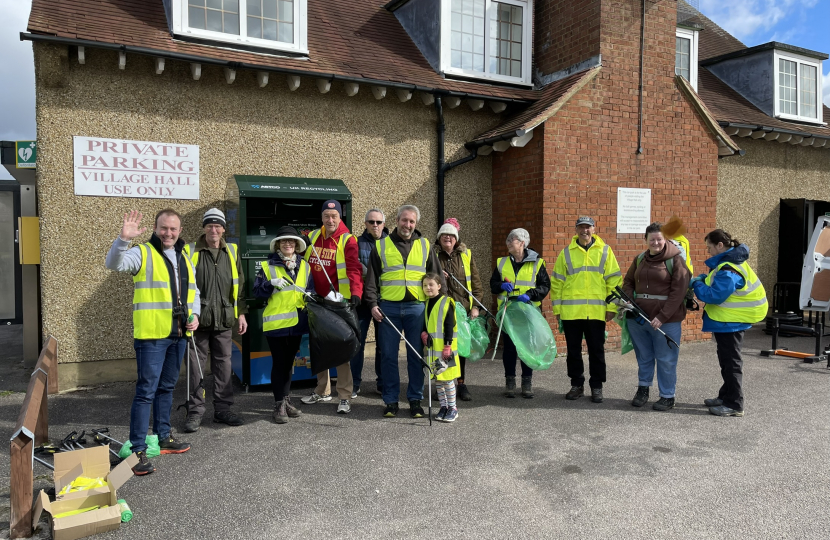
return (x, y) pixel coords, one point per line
(797, 22)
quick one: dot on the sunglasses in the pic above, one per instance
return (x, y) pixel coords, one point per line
(370, 222)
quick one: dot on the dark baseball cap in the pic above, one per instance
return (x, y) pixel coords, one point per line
(585, 220)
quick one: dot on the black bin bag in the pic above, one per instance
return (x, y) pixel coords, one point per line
(333, 333)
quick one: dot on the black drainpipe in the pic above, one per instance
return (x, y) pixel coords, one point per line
(442, 166)
(642, 53)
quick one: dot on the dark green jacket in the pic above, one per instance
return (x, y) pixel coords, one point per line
(214, 278)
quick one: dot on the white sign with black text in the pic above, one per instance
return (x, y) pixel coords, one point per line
(153, 170)
(633, 210)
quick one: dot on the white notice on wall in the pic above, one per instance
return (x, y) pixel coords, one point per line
(633, 210)
(153, 170)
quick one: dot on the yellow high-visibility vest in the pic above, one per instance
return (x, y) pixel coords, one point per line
(343, 284)
(396, 277)
(466, 261)
(581, 281)
(435, 328)
(232, 250)
(281, 310)
(153, 295)
(746, 305)
(525, 281)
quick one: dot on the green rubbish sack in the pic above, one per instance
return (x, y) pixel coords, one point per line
(463, 323)
(625, 337)
(153, 449)
(479, 338)
(531, 334)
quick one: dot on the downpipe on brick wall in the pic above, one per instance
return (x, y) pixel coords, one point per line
(642, 54)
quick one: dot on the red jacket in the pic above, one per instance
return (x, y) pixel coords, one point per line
(327, 249)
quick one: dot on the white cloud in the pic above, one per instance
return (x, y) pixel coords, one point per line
(17, 75)
(745, 18)
(826, 86)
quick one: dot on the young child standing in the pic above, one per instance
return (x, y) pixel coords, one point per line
(441, 348)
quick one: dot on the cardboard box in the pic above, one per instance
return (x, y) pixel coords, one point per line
(92, 463)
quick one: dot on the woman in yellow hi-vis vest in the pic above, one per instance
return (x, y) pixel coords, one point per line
(284, 280)
(735, 300)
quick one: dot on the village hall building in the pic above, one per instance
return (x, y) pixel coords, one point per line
(500, 113)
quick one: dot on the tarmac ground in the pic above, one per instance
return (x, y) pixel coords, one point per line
(521, 468)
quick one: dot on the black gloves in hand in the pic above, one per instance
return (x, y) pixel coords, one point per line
(354, 301)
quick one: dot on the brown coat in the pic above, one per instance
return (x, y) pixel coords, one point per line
(452, 264)
(652, 277)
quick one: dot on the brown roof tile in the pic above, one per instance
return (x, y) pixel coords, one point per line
(355, 38)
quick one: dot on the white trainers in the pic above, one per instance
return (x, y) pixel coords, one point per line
(344, 407)
(315, 398)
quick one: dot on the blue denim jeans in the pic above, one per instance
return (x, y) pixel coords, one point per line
(158, 362)
(652, 350)
(357, 361)
(408, 317)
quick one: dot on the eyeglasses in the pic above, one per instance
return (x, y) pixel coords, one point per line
(370, 222)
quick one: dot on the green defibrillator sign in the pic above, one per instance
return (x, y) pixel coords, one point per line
(25, 154)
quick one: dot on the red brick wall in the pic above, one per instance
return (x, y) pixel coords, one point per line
(565, 32)
(590, 148)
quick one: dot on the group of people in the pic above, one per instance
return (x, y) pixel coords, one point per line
(191, 295)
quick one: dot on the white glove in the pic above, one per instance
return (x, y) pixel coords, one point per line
(335, 296)
(279, 283)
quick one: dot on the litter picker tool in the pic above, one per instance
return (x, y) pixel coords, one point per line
(468, 291)
(199, 364)
(621, 299)
(423, 362)
(100, 438)
(325, 273)
(501, 322)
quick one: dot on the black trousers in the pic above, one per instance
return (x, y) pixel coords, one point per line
(283, 351)
(731, 368)
(594, 332)
(509, 357)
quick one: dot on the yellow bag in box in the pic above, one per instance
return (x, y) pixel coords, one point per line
(82, 483)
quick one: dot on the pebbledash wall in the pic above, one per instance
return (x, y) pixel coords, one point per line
(385, 152)
(588, 149)
(750, 191)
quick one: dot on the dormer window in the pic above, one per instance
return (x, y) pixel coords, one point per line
(797, 87)
(487, 39)
(268, 24)
(685, 55)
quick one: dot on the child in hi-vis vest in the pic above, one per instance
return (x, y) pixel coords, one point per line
(441, 347)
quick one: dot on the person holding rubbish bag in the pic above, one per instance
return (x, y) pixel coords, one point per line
(284, 280)
(457, 261)
(522, 275)
(335, 267)
(657, 280)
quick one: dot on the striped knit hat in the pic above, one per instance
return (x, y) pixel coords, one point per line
(214, 215)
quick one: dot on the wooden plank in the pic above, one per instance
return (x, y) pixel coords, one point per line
(21, 487)
(42, 423)
(48, 362)
(31, 403)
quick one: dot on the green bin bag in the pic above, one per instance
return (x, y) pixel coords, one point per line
(531, 334)
(625, 337)
(479, 338)
(153, 449)
(463, 323)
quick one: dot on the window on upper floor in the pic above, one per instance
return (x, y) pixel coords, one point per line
(488, 39)
(797, 87)
(269, 24)
(685, 55)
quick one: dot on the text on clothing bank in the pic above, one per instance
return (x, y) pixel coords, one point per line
(120, 168)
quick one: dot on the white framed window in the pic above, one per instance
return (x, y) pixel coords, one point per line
(487, 39)
(269, 24)
(797, 87)
(685, 55)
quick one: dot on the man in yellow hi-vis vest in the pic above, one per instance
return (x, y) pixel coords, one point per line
(585, 273)
(220, 280)
(393, 290)
(166, 309)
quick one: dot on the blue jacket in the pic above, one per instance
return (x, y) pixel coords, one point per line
(724, 284)
(263, 289)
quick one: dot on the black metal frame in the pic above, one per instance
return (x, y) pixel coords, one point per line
(14, 187)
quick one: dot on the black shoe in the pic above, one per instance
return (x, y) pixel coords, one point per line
(391, 410)
(510, 387)
(280, 412)
(291, 410)
(527, 387)
(143, 466)
(463, 393)
(415, 409)
(227, 417)
(169, 445)
(192, 423)
(641, 397)
(713, 402)
(575, 392)
(596, 395)
(663, 404)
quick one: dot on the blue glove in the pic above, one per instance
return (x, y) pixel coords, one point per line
(507, 287)
(523, 298)
(697, 279)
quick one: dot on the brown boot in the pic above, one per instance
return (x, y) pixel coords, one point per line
(293, 412)
(280, 413)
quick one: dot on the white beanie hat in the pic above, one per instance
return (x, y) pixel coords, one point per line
(448, 228)
(214, 215)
